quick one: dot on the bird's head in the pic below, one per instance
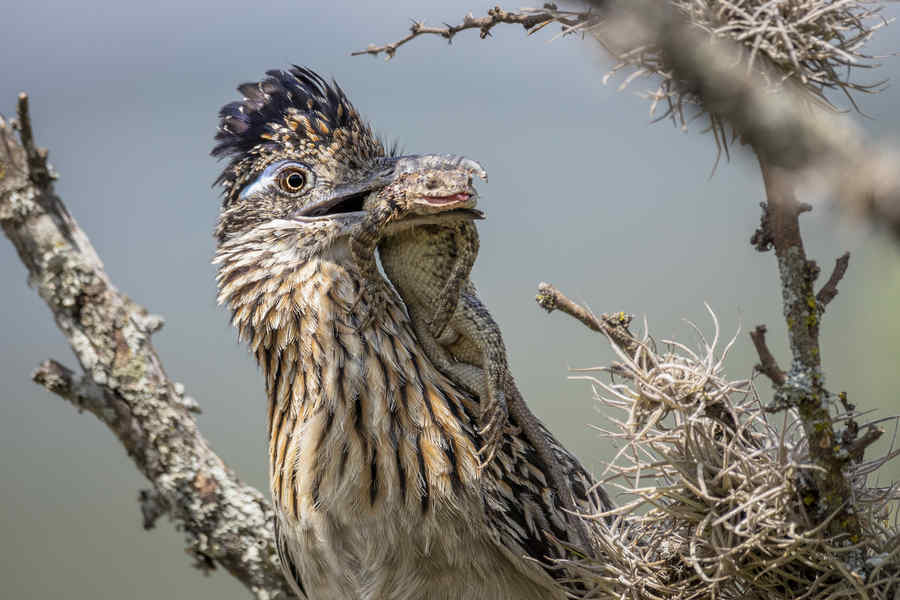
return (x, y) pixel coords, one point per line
(305, 167)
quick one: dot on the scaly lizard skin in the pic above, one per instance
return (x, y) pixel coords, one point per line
(429, 262)
(429, 265)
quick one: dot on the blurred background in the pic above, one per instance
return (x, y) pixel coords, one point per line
(584, 192)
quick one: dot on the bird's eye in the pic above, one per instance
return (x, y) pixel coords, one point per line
(291, 180)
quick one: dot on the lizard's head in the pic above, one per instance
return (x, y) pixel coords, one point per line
(427, 189)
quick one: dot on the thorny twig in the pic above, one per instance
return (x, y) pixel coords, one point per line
(532, 22)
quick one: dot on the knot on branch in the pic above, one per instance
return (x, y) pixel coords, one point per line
(55, 377)
(546, 298)
(153, 506)
(39, 171)
(762, 238)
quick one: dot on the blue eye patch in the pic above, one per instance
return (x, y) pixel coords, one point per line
(267, 178)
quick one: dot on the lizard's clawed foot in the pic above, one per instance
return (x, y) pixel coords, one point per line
(492, 422)
(377, 303)
(447, 302)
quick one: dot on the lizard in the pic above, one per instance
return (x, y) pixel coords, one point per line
(428, 261)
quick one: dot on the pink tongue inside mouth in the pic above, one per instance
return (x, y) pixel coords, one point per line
(454, 199)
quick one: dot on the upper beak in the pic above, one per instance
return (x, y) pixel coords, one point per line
(349, 198)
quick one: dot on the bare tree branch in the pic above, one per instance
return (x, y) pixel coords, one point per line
(124, 385)
(614, 326)
(768, 366)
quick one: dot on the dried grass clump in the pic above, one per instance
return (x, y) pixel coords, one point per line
(718, 494)
(812, 45)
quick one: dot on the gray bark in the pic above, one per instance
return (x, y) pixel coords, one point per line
(122, 380)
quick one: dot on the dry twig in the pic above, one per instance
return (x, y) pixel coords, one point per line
(768, 366)
(614, 326)
(495, 16)
(829, 290)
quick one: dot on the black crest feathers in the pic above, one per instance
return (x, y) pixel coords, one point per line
(271, 110)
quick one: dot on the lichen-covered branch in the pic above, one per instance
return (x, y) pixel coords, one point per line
(803, 387)
(123, 383)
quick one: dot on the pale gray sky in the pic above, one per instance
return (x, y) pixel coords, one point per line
(583, 192)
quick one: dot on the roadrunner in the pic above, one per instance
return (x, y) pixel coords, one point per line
(378, 488)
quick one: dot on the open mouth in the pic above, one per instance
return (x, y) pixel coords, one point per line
(460, 198)
(342, 204)
(443, 204)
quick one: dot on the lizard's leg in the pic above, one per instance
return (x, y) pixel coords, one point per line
(363, 241)
(504, 400)
(478, 325)
(467, 243)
